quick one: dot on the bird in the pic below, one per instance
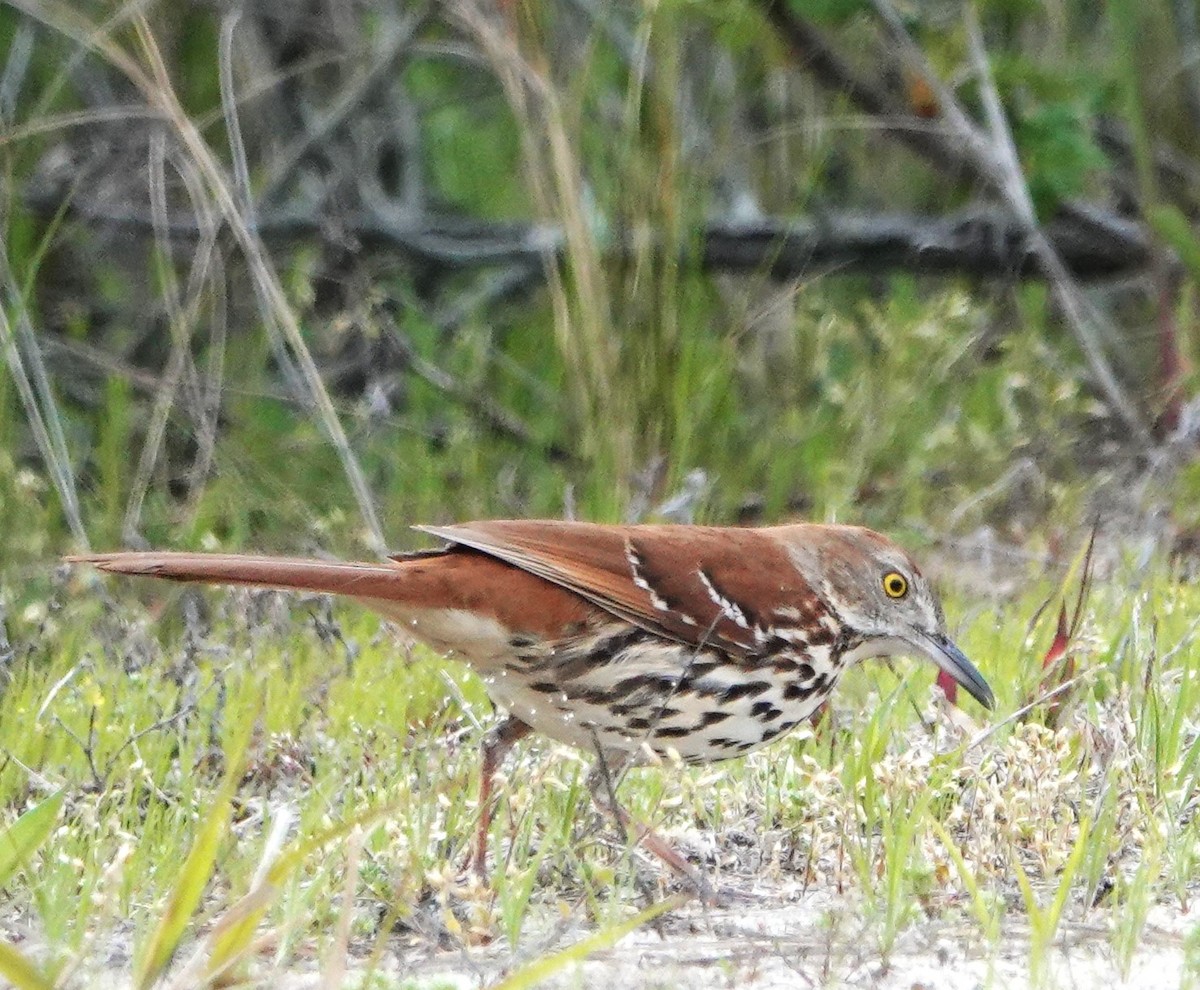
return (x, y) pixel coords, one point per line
(633, 642)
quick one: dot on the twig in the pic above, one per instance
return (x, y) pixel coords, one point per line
(88, 748)
(997, 160)
(15, 68)
(1184, 13)
(162, 723)
(268, 290)
(54, 689)
(396, 38)
(207, 403)
(41, 781)
(233, 124)
(155, 86)
(1024, 467)
(978, 241)
(180, 320)
(829, 69)
(6, 651)
(495, 417)
(1082, 318)
(1026, 709)
(493, 288)
(28, 370)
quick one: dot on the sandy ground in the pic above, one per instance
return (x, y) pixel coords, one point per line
(773, 939)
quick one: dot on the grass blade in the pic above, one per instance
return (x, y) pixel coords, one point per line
(188, 890)
(542, 969)
(22, 839)
(1067, 878)
(194, 875)
(19, 971)
(989, 923)
(234, 933)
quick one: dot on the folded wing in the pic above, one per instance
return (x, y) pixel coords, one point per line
(688, 583)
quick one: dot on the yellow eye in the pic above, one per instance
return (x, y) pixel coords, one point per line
(895, 584)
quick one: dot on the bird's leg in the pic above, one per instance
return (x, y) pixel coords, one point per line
(601, 786)
(496, 745)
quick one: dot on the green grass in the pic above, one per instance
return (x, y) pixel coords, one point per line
(213, 788)
(890, 809)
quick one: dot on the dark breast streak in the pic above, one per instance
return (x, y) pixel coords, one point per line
(624, 688)
(682, 660)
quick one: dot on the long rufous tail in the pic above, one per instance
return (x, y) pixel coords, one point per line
(360, 580)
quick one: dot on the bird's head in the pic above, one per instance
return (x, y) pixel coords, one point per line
(878, 593)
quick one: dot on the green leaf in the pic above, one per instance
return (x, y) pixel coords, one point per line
(988, 922)
(19, 971)
(22, 839)
(186, 895)
(828, 13)
(197, 868)
(1173, 227)
(233, 935)
(1059, 153)
(1059, 903)
(234, 932)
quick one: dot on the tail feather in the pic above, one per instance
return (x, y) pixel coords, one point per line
(361, 580)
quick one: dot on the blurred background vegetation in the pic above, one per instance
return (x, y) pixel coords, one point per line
(293, 275)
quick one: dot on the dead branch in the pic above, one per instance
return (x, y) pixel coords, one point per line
(985, 242)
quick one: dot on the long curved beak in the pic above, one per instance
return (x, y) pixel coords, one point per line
(942, 651)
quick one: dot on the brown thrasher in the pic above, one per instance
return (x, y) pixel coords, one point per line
(708, 641)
